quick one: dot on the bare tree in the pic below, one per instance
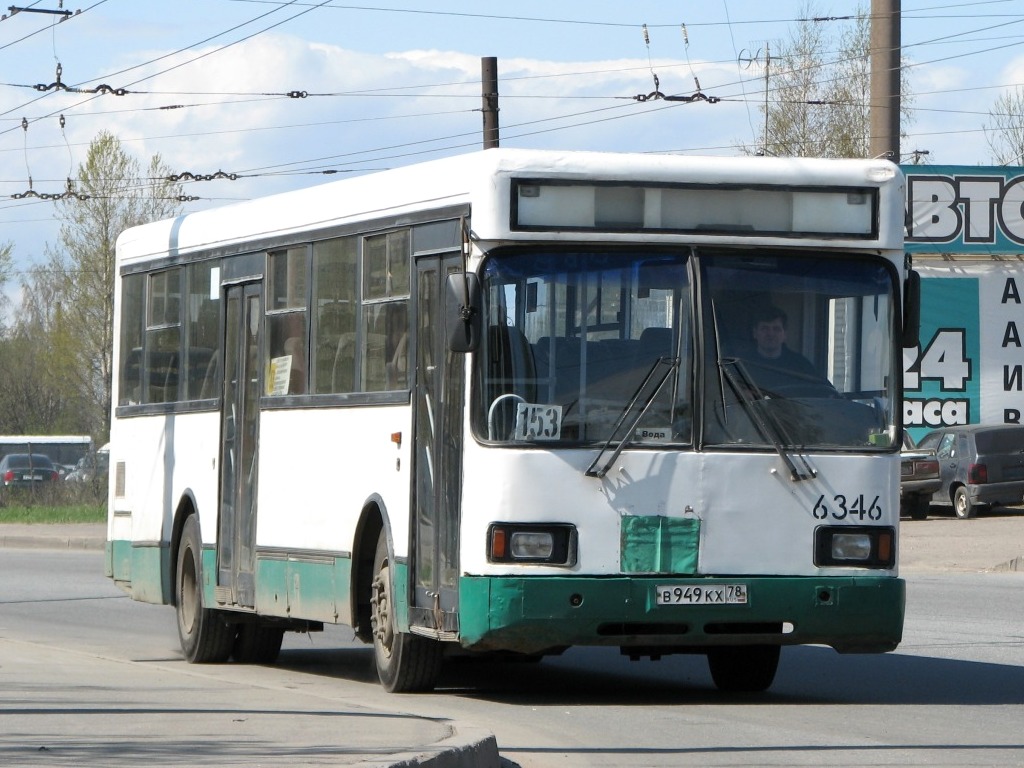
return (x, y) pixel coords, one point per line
(69, 301)
(1005, 133)
(819, 91)
(6, 269)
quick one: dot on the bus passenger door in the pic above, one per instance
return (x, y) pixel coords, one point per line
(439, 394)
(236, 542)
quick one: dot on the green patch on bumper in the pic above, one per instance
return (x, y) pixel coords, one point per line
(852, 614)
(659, 544)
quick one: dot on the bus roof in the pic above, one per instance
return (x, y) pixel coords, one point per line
(470, 178)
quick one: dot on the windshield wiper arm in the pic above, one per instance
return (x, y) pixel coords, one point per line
(671, 364)
(732, 368)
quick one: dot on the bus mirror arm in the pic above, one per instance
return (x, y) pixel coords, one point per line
(463, 312)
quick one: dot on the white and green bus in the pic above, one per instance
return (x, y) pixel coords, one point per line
(516, 401)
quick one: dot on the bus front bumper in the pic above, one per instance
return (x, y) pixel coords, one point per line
(855, 614)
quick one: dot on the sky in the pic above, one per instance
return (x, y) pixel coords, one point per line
(205, 84)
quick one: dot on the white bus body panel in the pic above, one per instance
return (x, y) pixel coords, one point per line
(320, 467)
(754, 519)
(165, 458)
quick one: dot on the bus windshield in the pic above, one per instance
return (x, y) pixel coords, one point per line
(803, 355)
(592, 347)
(580, 342)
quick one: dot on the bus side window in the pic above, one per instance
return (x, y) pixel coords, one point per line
(163, 336)
(287, 338)
(385, 299)
(287, 347)
(386, 351)
(203, 329)
(335, 292)
(133, 294)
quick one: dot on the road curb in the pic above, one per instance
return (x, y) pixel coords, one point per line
(468, 746)
(1017, 564)
(30, 541)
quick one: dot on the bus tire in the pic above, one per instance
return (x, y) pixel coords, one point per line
(744, 668)
(405, 663)
(256, 644)
(206, 638)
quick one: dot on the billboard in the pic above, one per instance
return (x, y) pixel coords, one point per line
(965, 209)
(965, 230)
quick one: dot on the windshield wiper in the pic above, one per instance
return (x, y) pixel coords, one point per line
(742, 384)
(671, 364)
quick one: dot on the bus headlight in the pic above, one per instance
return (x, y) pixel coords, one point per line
(539, 544)
(867, 546)
(851, 546)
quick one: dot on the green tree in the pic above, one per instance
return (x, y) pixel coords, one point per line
(1005, 132)
(819, 91)
(69, 300)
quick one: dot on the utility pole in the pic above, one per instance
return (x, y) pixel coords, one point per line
(489, 94)
(885, 79)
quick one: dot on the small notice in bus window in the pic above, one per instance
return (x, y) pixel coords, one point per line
(653, 435)
(538, 421)
(280, 375)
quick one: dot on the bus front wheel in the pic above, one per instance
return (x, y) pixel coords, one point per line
(405, 662)
(744, 668)
(206, 638)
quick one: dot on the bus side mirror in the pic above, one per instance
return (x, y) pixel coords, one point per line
(912, 310)
(463, 312)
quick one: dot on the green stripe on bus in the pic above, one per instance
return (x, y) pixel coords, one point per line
(314, 589)
(140, 570)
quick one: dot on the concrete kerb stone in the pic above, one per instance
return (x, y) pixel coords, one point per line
(468, 747)
(1017, 564)
(44, 536)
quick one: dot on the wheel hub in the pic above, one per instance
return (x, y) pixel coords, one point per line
(380, 610)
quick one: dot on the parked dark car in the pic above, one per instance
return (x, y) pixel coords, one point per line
(979, 466)
(919, 479)
(27, 469)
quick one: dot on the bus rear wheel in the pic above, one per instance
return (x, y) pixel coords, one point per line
(744, 668)
(206, 638)
(405, 663)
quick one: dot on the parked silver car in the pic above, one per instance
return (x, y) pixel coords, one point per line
(979, 466)
(91, 466)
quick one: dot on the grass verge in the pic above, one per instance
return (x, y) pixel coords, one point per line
(79, 513)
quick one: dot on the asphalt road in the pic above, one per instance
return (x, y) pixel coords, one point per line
(92, 678)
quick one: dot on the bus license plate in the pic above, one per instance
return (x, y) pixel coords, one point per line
(710, 594)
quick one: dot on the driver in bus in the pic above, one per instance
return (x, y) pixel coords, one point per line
(774, 367)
